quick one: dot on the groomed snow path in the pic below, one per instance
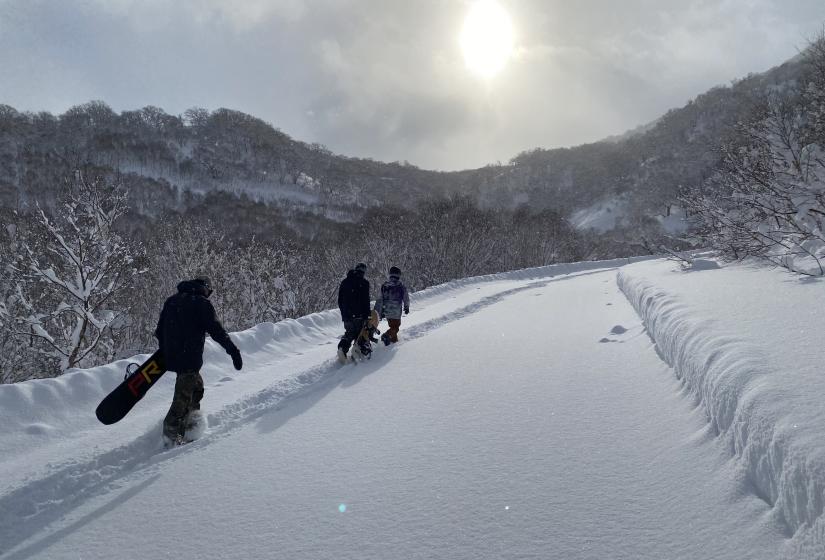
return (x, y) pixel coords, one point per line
(532, 419)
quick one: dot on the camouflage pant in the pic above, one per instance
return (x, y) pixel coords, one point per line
(188, 395)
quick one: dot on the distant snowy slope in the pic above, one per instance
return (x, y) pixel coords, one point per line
(602, 216)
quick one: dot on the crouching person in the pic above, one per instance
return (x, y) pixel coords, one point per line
(185, 320)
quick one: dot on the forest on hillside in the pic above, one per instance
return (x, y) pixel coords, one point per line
(84, 285)
(102, 214)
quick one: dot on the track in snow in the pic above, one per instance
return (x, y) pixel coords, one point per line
(43, 500)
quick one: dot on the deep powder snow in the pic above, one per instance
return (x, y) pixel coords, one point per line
(522, 416)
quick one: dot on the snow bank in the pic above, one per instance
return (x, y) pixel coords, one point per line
(762, 390)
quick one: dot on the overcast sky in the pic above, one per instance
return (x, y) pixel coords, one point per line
(386, 78)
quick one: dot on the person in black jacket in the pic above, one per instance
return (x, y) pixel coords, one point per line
(354, 303)
(185, 320)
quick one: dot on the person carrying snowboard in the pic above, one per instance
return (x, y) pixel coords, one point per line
(185, 320)
(354, 303)
(390, 302)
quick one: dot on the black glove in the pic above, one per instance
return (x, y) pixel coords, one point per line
(236, 359)
(406, 311)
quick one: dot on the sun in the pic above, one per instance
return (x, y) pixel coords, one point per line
(487, 38)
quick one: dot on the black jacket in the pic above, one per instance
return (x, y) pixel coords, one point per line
(184, 321)
(354, 297)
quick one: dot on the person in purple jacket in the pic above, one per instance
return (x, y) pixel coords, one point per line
(393, 299)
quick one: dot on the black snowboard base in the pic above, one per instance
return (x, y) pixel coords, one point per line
(125, 396)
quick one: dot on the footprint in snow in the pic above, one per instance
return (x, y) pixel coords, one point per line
(618, 329)
(604, 340)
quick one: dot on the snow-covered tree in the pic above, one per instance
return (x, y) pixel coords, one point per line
(768, 199)
(15, 363)
(250, 280)
(69, 270)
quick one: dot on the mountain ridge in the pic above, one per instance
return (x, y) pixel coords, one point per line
(174, 162)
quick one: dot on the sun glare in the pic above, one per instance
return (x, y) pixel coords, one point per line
(487, 38)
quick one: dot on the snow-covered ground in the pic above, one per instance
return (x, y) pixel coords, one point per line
(747, 344)
(523, 415)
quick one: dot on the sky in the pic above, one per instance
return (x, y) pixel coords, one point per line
(387, 79)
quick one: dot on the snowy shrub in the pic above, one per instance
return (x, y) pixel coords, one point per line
(65, 273)
(15, 361)
(249, 280)
(768, 199)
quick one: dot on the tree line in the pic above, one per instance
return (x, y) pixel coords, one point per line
(176, 162)
(83, 280)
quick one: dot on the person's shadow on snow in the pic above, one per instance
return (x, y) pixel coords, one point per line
(347, 376)
(116, 500)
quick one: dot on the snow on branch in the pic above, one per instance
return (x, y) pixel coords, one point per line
(768, 198)
(66, 270)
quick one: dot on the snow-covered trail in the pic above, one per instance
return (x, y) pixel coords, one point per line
(534, 420)
(54, 454)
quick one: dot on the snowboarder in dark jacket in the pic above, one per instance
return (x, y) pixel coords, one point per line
(390, 302)
(354, 303)
(185, 320)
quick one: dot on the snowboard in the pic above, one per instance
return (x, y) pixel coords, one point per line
(119, 402)
(369, 329)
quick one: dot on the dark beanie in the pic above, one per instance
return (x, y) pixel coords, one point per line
(395, 271)
(204, 281)
(205, 284)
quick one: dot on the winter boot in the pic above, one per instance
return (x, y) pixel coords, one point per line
(171, 431)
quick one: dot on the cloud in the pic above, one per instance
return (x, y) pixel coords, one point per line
(385, 78)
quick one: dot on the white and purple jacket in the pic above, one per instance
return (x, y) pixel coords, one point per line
(393, 299)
